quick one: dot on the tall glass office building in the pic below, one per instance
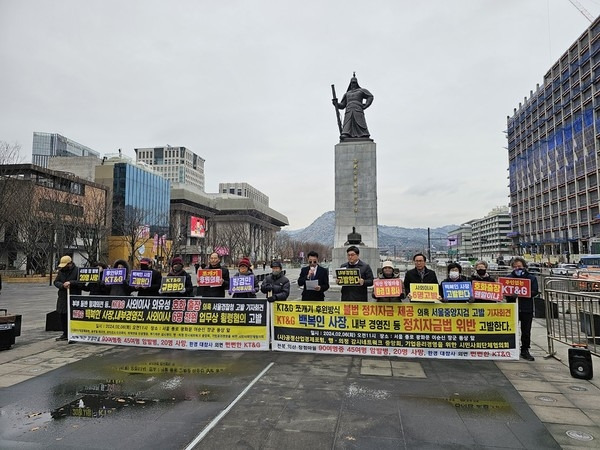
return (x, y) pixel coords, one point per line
(553, 152)
(47, 145)
(140, 196)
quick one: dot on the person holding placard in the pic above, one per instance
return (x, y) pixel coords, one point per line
(178, 271)
(454, 276)
(123, 287)
(314, 279)
(154, 289)
(387, 273)
(420, 274)
(244, 270)
(217, 290)
(359, 291)
(519, 266)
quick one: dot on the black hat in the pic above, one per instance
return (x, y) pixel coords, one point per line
(276, 264)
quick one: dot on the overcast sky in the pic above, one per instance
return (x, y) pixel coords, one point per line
(246, 85)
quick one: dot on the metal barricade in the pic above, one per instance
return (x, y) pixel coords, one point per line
(572, 312)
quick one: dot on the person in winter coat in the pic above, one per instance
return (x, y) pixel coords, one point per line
(276, 285)
(519, 266)
(481, 273)
(420, 274)
(122, 288)
(177, 271)
(97, 288)
(214, 263)
(387, 272)
(314, 272)
(454, 276)
(66, 282)
(152, 290)
(244, 269)
(357, 293)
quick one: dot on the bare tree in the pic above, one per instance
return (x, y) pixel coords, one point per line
(130, 228)
(91, 228)
(10, 153)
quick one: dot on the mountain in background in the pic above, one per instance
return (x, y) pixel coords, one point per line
(405, 239)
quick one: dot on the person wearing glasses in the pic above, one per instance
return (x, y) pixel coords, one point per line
(313, 272)
(358, 293)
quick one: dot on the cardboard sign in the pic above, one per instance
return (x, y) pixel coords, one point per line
(88, 275)
(140, 278)
(114, 276)
(387, 287)
(210, 277)
(487, 290)
(459, 291)
(515, 287)
(424, 292)
(172, 285)
(348, 277)
(241, 284)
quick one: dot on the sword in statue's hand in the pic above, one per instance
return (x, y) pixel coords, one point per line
(335, 105)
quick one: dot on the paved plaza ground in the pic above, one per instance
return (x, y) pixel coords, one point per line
(268, 400)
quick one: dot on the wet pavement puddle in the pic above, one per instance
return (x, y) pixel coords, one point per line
(123, 387)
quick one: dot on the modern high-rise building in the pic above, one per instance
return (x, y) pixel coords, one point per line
(553, 152)
(489, 235)
(179, 165)
(140, 207)
(459, 242)
(47, 145)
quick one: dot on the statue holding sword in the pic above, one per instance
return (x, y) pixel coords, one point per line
(354, 101)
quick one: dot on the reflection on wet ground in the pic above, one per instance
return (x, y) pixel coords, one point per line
(121, 386)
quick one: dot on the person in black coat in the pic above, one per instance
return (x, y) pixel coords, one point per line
(454, 276)
(357, 293)
(314, 272)
(420, 274)
(123, 288)
(66, 282)
(97, 288)
(154, 288)
(177, 271)
(214, 263)
(519, 266)
(276, 285)
(481, 274)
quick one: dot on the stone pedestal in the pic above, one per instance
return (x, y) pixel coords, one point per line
(356, 200)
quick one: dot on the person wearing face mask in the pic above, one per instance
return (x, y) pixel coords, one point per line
(454, 275)
(481, 273)
(66, 282)
(276, 285)
(177, 271)
(154, 288)
(314, 272)
(244, 269)
(122, 288)
(519, 266)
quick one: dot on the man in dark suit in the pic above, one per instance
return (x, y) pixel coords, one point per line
(314, 272)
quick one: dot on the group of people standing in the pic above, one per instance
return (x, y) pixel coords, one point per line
(313, 279)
